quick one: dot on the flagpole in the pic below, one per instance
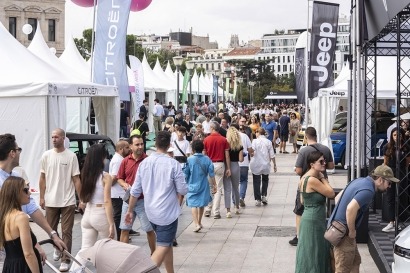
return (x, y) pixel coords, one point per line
(307, 67)
(92, 66)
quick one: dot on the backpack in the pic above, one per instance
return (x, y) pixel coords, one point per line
(136, 131)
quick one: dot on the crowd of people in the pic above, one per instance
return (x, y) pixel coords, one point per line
(196, 161)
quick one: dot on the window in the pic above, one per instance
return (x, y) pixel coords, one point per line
(219, 66)
(51, 30)
(13, 26)
(207, 66)
(278, 68)
(33, 23)
(285, 68)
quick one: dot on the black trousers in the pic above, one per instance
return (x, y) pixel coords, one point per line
(117, 209)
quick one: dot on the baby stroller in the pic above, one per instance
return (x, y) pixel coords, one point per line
(109, 256)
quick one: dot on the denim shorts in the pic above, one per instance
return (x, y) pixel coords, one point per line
(139, 211)
(166, 234)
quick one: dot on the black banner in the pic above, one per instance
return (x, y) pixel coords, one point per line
(300, 75)
(375, 15)
(323, 45)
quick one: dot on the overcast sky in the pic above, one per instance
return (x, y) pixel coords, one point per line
(218, 18)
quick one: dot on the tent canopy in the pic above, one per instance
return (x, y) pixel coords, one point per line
(33, 96)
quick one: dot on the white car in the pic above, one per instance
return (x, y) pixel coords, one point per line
(401, 262)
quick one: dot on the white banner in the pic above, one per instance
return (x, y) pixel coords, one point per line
(139, 94)
(109, 67)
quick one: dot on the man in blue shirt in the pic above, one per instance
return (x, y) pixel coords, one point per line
(9, 159)
(350, 209)
(270, 127)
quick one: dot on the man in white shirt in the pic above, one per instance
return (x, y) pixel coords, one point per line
(157, 112)
(59, 179)
(206, 125)
(122, 149)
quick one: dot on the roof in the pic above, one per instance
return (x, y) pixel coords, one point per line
(241, 51)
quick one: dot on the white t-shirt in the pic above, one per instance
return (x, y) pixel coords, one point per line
(116, 190)
(206, 125)
(246, 143)
(183, 145)
(59, 169)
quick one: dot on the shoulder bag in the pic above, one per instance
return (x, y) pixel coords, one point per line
(180, 159)
(337, 230)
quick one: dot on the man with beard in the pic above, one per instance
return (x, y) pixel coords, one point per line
(59, 179)
(9, 159)
(356, 198)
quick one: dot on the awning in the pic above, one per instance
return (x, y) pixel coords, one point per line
(280, 97)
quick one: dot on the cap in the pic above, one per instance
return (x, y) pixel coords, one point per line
(385, 172)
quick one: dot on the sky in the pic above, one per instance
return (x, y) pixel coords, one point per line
(219, 19)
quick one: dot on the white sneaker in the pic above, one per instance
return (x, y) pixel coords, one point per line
(64, 267)
(257, 203)
(264, 200)
(389, 228)
(56, 255)
(228, 214)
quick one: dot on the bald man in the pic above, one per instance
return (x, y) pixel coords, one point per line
(59, 179)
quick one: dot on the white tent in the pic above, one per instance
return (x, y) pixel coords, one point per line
(33, 101)
(386, 76)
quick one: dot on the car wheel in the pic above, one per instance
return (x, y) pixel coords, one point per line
(342, 161)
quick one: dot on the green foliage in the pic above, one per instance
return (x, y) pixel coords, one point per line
(260, 72)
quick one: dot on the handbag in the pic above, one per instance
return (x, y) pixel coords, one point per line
(336, 232)
(293, 132)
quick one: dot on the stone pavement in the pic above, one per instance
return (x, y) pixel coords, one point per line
(254, 241)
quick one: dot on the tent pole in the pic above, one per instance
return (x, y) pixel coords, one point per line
(92, 65)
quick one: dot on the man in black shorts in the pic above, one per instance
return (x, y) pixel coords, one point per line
(284, 121)
(301, 167)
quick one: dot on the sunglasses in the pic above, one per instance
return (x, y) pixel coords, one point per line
(388, 181)
(322, 162)
(17, 149)
(26, 190)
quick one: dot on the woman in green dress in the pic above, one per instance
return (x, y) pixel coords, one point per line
(312, 254)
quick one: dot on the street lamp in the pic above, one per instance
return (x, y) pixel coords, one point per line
(216, 99)
(178, 62)
(228, 74)
(190, 66)
(251, 84)
(240, 81)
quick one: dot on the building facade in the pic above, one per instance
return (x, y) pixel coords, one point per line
(49, 14)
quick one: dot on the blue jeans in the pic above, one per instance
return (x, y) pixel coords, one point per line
(243, 181)
(123, 131)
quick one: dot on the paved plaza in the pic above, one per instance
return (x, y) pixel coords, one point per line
(255, 241)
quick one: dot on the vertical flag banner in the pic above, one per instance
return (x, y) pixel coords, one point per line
(322, 46)
(215, 88)
(109, 66)
(185, 86)
(300, 74)
(139, 94)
